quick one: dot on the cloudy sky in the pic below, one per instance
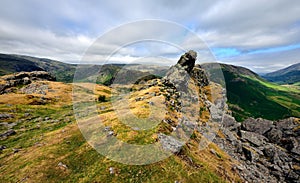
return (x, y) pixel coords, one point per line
(263, 35)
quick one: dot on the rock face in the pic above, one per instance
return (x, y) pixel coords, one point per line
(267, 151)
(23, 78)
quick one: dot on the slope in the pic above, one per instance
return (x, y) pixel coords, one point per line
(47, 145)
(251, 96)
(16, 63)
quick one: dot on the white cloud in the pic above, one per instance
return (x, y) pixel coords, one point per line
(64, 30)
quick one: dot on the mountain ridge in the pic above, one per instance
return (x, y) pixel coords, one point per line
(288, 75)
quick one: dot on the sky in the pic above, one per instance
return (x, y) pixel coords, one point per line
(262, 35)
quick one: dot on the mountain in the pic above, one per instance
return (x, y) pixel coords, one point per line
(289, 75)
(249, 95)
(16, 63)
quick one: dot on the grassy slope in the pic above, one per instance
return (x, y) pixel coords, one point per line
(44, 142)
(16, 63)
(253, 97)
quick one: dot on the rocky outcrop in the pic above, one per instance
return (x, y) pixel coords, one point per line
(267, 151)
(23, 78)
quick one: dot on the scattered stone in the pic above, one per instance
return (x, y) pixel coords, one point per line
(26, 115)
(8, 133)
(151, 103)
(107, 128)
(112, 170)
(60, 164)
(6, 116)
(110, 133)
(2, 147)
(16, 150)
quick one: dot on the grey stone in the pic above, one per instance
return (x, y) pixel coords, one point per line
(274, 135)
(6, 116)
(60, 164)
(110, 133)
(112, 170)
(228, 121)
(8, 133)
(170, 143)
(259, 125)
(253, 138)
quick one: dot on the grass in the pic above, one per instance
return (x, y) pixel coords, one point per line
(50, 135)
(251, 97)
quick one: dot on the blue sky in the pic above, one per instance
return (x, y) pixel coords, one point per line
(257, 34)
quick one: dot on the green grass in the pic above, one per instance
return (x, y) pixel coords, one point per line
(43, 143)
(251, 97)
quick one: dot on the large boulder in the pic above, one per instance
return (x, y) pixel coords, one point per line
(259, 125)
(253, 138)
(274, 135)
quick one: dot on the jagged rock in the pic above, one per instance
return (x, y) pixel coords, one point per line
(289, 143)
(286, 124)
(259, 125)
(169, 143)
(293, 177)
(269, 151)
(254, 138)
(198, 74)
(274, 135)
(249, 153)
(228, 121)
(187, 61)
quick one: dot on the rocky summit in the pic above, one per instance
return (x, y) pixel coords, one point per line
(265, 151)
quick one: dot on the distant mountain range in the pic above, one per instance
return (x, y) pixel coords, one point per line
(289, 75)
(248, 94)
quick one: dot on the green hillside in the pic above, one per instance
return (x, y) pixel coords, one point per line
(16, 63)
(250, 96)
